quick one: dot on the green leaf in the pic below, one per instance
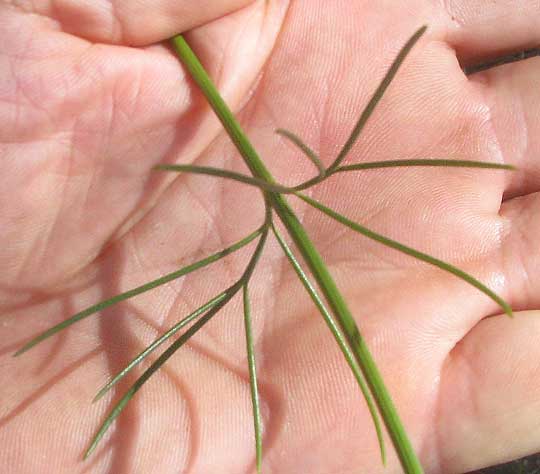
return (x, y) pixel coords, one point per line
(342, 343)
(409, 251)
(296, 140)
(160, 340)
(403, 163)
(181, 340)
(152, 369)
(137, 291)
(423, 162)
(257, 419)
(220, 173)
(377, 96)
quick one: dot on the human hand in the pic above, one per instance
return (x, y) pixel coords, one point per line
(85, 217)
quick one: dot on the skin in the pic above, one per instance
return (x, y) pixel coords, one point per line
(90, 101)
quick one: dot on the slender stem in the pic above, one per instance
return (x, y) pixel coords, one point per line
(342, 343)
(363, 357)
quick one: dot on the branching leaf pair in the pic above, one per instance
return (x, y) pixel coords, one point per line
(211, 308)
(337, 317)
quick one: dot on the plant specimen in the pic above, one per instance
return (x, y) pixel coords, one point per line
(337, 316)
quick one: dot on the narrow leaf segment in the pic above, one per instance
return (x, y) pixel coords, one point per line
(119, 407)
(377, 96)
(160, 340)
(296, 140)
(137, 291)
(254, 389)
(409, 251)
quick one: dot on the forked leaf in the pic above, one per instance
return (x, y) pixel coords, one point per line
(296, 140)
(167, 354)
(409, 251)
(257, 419)
(377, 96)
(423, 162)
(220, 173)
(137, 291)
(160, 340)
(342, 343)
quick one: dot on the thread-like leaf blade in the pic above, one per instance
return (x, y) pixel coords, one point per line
(167, 354)
(377, 96)
(160, 340)
(221, 173)
(409, 251)
(137, 291)
(296, 140)
(424, 162)
(254, 389)
(119, 407)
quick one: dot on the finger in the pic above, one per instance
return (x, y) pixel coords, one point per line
(513, 95)
(133, 22)
(476, 31)
(520, 252)
(490, 394)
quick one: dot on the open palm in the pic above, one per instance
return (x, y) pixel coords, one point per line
(90, 102)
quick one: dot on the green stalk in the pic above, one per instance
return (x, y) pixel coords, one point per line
(405, 452)
(342, 343)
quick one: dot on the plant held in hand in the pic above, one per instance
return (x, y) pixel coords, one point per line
(330, 302)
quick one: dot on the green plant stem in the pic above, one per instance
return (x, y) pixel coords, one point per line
(396, 430)
(342, 343)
